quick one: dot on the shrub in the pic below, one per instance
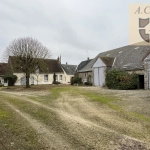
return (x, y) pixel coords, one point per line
(11, 79)
(118, 79)
(56, 82)
(76, 80)
(88, 83)
(54, 78)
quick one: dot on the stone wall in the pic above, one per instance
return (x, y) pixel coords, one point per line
(84, 76)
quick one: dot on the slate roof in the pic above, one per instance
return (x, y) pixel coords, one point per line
(127, 58)
(49, 66)
(108, 61)
(83, 64)
(69, 69)
(53, 66)
(5, 69)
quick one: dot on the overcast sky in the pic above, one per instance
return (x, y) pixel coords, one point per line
(74, 29)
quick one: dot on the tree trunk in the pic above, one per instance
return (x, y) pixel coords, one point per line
(27, 80)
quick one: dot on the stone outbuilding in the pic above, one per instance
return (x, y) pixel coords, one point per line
(131, 58)
(84, 71)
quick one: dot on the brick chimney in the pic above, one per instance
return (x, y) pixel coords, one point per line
(59, 59)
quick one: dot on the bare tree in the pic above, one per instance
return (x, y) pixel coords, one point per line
(28, 55)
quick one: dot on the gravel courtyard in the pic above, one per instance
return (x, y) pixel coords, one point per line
(74, 118)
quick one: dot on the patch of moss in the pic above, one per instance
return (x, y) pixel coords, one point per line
(107, 100)
(103, 99)
(56, 91)
(3, 114)
(142, 117)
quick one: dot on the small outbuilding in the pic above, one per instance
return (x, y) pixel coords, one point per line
(99, 69)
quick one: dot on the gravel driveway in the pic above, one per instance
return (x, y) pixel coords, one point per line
(73, 121)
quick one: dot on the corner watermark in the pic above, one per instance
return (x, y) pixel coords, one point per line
(139, 24)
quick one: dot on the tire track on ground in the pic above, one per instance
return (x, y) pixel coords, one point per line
(72, 116)
(48, 137)
(78, 124)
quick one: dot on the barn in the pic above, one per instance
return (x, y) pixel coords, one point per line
(131, 58)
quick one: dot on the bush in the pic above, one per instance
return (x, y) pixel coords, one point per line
(54, 78)
(76, 80)
(118, 79)
(56, 82)
(88, 83)
(11, 79)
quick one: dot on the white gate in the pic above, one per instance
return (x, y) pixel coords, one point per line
(99, 76)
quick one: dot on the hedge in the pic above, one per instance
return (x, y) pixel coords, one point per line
(118, 79)
(76, 80)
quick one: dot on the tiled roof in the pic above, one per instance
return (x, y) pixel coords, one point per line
(127, 58)
(5, 69)
(108, 61)
(83, 64)
(52, 66)
(49, 66)
(69, 69)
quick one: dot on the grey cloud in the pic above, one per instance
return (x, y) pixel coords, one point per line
(66, 27)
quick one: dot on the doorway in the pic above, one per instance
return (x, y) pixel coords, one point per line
(141, 81)
(32, 80)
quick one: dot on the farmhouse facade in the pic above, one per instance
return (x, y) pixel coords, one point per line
(45, 75)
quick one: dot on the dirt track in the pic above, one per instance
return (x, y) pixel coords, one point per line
(76, 122)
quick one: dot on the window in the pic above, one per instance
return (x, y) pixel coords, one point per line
(60, 77)
(2, 81)
(45, 78)
(89, 79)
(5, 81)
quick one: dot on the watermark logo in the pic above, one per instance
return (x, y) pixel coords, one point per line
(139, 24)
(142, 25)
